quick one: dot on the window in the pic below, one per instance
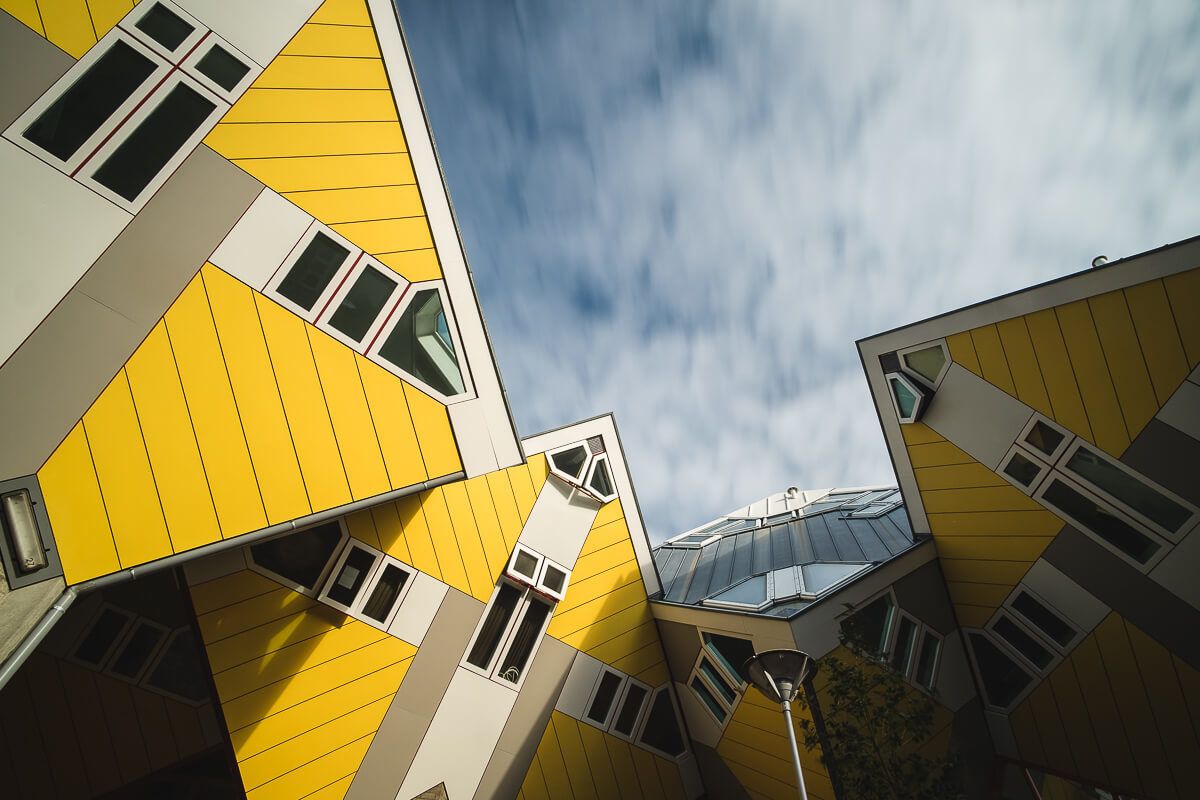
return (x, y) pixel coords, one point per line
(730, 651)
(1045, 438)
(535, 571)
(661, 731)
(420, 343)
(925, 673)
(299, 560)
(512, 626)
(1021, 641)
(1039, 614)
(176, 672)
(604, 697)
(1023, 469)
(714, 680)
(359, 309)
(905, 644)
(928, 363)
(631, 706)
(895, 637)
(367, 584)
(908, 398)
(600, 481)
(309, 277)
(585, 466)
(1109, 526)
(127, 114)
(101, 636)
(134, 653)
(870, 627)
(1002, 679)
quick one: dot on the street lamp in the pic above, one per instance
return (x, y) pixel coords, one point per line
(780, 675)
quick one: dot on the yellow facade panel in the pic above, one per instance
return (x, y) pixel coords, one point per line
(1057, 374)
(304, 402)
(1053, 736)
(445, 544)
(672, 782)
(351, 418)
(619, 635)
(25, 12)
(487, 523)
(654, 675)
(605, 558)
(215, 416)
(310, 173)
(388, 407)
(1025, 732)
(249, 646)
(465, 532)
(599, 761)
(1155, 326)
(1087, 668)
(107, 13)
(316, 774)
(983, 571)
(311, 105)
(504, 503)
(315, 72)
(957, 476)
(920, 433)
(341, 12)
(534, 785)
(1169, 706)
(229, 589)
(937, 454)
(1027, 522)
(76, 509)
(985, 595)
(641, 660)
(1092, 375)
(1126, 362)
(582, 619)
(1078, 723)
(978, 499)
(417, 537)
(621, 756)
(257, 396)
(126, 482)
(432, 423)
(390, 532)
(962, 352)
(333, 40)
(1023, 365)
(250, 145)
(361, 526)
(643, 763)
(570, 745)
(174, 455)
(253, 612)
(550, 762)
(417, 265)
(388, 235)
(1183, 290)
(992, 359)
(587, 588)
(336, 206)
(609, 512)
(1008, 548)
(68, 25)
(603, 536)
(973, 616)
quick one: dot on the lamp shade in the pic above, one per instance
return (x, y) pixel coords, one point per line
(778, 674)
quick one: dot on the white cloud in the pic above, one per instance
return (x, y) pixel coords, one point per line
(687, 214)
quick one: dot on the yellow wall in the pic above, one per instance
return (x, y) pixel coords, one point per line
(576, 760)
(605, 612)
(232, 415)
(73, 25)
(1119, 711)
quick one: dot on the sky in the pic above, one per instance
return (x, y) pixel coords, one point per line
(685, 212)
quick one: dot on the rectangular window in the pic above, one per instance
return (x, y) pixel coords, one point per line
(362, 304)
(1003, 681)
(166, 27)
(310, 276)
(386, 594)
(1041, 617)
(351, 575)
(1023, 469)
(1149, 503)
(871, 626)
(1022, 642)
(717, 680)
(709, 699)
(495, 626)
(524, 640)
(222, 67)
(101, 637)
(906, 642)
(604, 697)
(176, 672)
(509, 633)
(631, 709)
(367, 585)
(927, 659)
(1104, 523)
(135, 652)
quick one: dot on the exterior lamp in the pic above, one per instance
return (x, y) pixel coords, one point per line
(19, 519)
(780, 675)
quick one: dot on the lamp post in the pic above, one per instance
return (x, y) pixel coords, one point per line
(780, 675)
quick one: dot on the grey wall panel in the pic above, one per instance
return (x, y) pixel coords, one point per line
(922, 593)
(94, 330)
(1127, 591)
(1168, 457)
(681, 644)
(523, 731)
(962, 401)
(719, 780)
(29, 65)
(408, 717)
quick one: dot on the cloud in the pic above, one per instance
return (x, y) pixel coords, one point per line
(687, 212)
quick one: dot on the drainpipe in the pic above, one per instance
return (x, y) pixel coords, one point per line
(35, 636)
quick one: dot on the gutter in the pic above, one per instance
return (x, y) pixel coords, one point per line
(60, 606)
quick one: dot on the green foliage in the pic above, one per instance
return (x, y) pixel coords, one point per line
(876, 722)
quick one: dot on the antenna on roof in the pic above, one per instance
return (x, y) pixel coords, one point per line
(1099, 261)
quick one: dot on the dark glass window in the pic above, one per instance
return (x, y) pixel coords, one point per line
(906, 640)
(313, 271)
(300, 557)
(137, 650)
(1043, 438)
(222, 68)
(606, 692)
(90, 101)
(155, 141)
(714, 676)
(1022, 642)
(869, 626)
(927, 660)
(164, 26)
(350, 577)
(571, 461)
(523, 641)
(906, 401)
(420, 344)
(179, 670)
(361, 306)
(1144, 499)
(493, 627)
(1021, 469)
(383, 596)
(526, 564)
(1045, 619)
(631, 706)
(554, 579)
(1002, 679)
(662, 728)
(96, 644)
(1101, 521)
(731, 651)
(601, 481)
(708, 698)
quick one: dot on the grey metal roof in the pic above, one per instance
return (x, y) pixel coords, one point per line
(769, 557)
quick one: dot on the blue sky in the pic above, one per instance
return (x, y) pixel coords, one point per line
(686, 212)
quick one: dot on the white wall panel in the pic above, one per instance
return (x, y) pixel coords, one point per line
(419, 608)
(585, 670)
(962, 401)
(1080, 606)
(262, 239)
(1177, 571)
(559, 522)
(1182, 411)
(475, 446)
(260, 28)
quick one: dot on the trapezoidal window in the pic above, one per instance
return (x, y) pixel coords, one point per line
(661, 730)
(310, 275)
(421, 344)
(1002, 679)
(299, 560)
(870, 627)
(927, 362)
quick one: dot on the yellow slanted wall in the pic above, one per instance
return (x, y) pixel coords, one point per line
(320, 127)
(232, 415)
(72, 25)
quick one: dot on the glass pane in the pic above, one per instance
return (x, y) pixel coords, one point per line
(155, 141)
(610, 682)
(137, 650)
(526, 564)
(383, 597)
(1022, 642)
(416, 346)
(299, 557)
(554, 579)
(601, 481)
(164, 26)
(820, 577)
(313, 271)
(361, 306)
(1045, 619)
(178, 670)
(1021, 469)
(927, 363)
(1043, 438)
(90, 101)
(906, 639)
(927, 660)
(906, 401)
(1145, 500)
(751, 592)
(222, 67)
(1002, 679)
(715, 678)
(108, 626)
(351, 576)
(631, 706)
(493, 627)
(523, 641)
(730, 651)
(869, 626)
(706, 696)
(571, 461)
(662, 728)
(1101, 522)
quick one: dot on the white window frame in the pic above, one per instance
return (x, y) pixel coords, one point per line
(630, 682)
(641, 727)
(187, 46)
(355, 608)
(1054, 457)
(912, 373)
(345, 284)
(547, 565)
(528, 596)
(1020, 663)
(937, 659)
(393, 319)
(520, 577)
(153, 665)
(735, 683)
(130, 620)
(611, 712)
(597, 460)
(190, 66)
(1043, 468)
(164, 634)
(295, 587)
(893, 641)
(584, 471)
(919, 390)
(353, 255)
(1012, 610)
(999, 640)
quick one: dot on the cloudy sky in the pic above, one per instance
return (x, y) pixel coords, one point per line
(686, 212)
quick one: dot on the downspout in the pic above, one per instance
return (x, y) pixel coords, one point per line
(814, 706)
(35, 636)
